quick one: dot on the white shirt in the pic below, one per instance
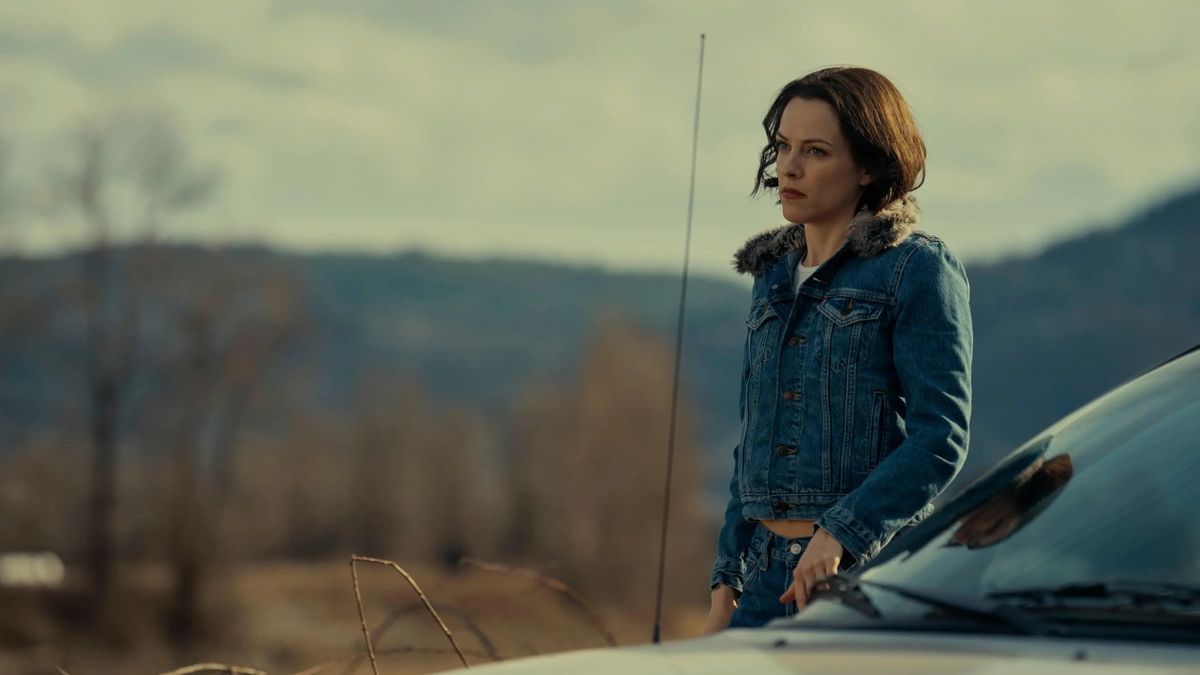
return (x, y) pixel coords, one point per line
(803, 272)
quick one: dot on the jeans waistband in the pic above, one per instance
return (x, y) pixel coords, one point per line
(780, 548)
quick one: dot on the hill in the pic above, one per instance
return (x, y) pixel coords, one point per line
(1052, 329)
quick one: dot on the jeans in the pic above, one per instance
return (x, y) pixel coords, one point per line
(769, 564)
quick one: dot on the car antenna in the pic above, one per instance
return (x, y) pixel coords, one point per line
(662, 551)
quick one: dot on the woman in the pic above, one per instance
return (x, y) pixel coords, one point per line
(856, 378)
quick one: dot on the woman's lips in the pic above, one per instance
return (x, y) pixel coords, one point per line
(791, 194)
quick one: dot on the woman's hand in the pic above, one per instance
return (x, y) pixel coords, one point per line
(721, 610)
(820, 560)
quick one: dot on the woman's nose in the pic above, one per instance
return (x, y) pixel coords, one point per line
(791, 166)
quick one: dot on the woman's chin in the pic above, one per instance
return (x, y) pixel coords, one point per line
(794, 215)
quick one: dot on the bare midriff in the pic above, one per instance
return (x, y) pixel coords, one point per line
(790, 529)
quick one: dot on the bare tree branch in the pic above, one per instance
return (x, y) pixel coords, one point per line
(462, 615)
(384, 626)
(215, 668)
(412, 582)
(362, 616)
(353, 661)
(489, 648)
(569, 593)
(412, 649)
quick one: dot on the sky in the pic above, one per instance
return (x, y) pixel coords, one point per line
(562, 130)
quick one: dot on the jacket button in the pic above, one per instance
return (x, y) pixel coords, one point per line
(797, 340)
(785, 450)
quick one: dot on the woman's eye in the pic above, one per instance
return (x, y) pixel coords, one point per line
(780, 145)
(816, 150)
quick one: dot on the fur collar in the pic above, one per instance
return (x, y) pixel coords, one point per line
(868, 234)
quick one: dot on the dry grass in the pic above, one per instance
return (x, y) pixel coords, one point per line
(293, 617)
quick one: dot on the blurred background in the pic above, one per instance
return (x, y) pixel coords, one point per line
(282, 282)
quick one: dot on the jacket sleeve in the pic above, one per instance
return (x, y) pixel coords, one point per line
(736, 532)
(932, 347)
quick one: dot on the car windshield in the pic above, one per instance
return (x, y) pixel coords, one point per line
(1096, 513)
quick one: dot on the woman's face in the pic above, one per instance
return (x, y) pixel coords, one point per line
(815, 160)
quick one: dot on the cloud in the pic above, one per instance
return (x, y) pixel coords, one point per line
(564, 128)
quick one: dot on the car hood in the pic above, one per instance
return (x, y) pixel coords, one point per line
(772, 652)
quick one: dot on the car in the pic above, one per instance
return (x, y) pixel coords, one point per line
(1079, 552)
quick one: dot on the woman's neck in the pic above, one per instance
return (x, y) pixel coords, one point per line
(822, 241)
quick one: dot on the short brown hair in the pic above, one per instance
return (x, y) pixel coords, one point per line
(874, 118)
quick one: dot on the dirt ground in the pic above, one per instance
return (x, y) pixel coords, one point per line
(301, 617)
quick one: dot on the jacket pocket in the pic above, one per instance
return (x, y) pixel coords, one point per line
(850, 327)
(759, 314)
(875, 448)
(844, 311)
(764, 329)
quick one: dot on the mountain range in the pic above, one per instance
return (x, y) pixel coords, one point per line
(1053, 329)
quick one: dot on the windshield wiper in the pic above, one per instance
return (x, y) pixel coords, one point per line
(849, 590)
(1109, 595)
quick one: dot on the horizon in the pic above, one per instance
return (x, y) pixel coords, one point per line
(595, 264)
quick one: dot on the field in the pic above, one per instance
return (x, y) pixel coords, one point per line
(302, 617)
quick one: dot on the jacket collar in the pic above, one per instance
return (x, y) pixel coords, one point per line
(868, 234)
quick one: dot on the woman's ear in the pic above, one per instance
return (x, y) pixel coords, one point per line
(865, 178)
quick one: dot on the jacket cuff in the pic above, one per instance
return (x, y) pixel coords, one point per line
(728, 572)
(854, 537)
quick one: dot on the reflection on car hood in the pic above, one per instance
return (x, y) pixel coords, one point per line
(776, 652)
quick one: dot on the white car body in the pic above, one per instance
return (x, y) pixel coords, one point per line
(776, 651)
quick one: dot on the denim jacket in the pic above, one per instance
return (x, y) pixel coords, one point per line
(855, 392)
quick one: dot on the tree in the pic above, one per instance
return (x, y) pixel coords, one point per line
(234, 322)
(126, 176)
(419, 485)
(589, 465)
